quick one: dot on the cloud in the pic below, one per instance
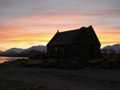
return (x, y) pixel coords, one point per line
(38, 20)
(27, 7)
(103, 13)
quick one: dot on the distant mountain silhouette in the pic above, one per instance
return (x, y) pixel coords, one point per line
(38, 48)
(111, 49)
(12, 52)
(24, 52)
(15, 50)
(34, 51)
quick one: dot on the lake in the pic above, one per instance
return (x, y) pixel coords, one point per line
(6, 59)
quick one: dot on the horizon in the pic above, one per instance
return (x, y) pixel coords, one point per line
(26, 23)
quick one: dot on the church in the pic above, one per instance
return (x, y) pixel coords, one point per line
(82, 43)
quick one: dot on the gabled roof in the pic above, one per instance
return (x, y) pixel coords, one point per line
(82, 35)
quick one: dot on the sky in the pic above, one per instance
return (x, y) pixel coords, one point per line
(24, 23)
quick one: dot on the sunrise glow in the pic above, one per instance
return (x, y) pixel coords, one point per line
(35, 23)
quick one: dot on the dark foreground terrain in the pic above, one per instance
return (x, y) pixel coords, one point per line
(34, 78)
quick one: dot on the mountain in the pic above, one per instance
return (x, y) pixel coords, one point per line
(39, 48)
(24, 52)
(35, 52)
(13, 52)
(35, 48)
(111, 49)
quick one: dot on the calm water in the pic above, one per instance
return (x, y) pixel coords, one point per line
(6, 59)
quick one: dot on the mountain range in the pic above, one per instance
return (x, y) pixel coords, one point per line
(42, 49)
(111, 49)
(23, 52)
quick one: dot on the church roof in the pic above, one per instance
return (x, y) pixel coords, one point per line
(83, 35)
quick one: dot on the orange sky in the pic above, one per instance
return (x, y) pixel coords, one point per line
(24, 23)
(23, 32)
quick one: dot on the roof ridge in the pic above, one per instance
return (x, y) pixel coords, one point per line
(74, 29)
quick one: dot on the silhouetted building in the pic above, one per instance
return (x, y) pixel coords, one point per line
(82, 43)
